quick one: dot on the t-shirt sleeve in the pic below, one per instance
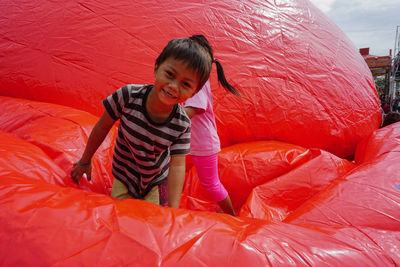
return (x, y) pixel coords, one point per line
(199, 100)
(115, 102)
(181, 146)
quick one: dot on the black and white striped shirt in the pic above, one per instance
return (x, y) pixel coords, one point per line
(143, 147)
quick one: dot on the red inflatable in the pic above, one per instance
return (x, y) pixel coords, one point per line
(303, 81)
(309, 102)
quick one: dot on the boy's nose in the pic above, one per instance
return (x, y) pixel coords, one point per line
(173, 85)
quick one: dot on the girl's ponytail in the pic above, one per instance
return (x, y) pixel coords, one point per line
(222, 80)
(203, 42)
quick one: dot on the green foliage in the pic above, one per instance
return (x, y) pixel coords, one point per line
(380, 83)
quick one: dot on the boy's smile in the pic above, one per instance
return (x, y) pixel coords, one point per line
(168, 94)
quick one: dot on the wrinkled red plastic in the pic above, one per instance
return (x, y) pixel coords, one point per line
(60, 133)
(328, 204)
(244, 167)
(303, 81)
(308, 101)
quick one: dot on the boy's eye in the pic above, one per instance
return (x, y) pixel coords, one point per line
(188, 86)
(169, 74)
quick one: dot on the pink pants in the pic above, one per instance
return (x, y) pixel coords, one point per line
(207, 170)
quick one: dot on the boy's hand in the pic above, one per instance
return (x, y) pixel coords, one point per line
(80, 169)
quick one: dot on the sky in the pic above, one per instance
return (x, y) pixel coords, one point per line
(368, 23)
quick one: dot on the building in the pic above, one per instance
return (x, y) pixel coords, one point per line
(379, 66)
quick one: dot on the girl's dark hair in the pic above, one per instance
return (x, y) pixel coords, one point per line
(197, 52)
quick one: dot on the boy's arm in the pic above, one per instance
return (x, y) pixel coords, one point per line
(176, 178)
(97, 136)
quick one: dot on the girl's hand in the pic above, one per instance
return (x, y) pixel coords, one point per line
(80, 169)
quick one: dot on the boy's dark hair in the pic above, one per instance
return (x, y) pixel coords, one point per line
(390, 118)
(189, 51)
(197, 52)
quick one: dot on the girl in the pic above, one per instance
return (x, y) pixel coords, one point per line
(205, 144)
(154, 130)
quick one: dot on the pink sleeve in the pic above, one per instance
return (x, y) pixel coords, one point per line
(199, 100)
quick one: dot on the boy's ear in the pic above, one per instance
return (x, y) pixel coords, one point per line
(155, 69)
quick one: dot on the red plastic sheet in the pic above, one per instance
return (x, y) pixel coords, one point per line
(69, 227)
(244, 167)
(303, 81)
(60, 133)
(308, 101)
(276, 199)
(312, 207)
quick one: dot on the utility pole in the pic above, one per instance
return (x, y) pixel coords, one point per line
(397, 42)
(395, 64)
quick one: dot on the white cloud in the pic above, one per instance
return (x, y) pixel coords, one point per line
(368, 23)
(373, 4)
(324, 5)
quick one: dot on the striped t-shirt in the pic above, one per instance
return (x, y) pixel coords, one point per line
(143, 147)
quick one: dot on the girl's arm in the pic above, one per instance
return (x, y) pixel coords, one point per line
(97, 136)
(176, 178)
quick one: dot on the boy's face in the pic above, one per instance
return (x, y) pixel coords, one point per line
(174, 82)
